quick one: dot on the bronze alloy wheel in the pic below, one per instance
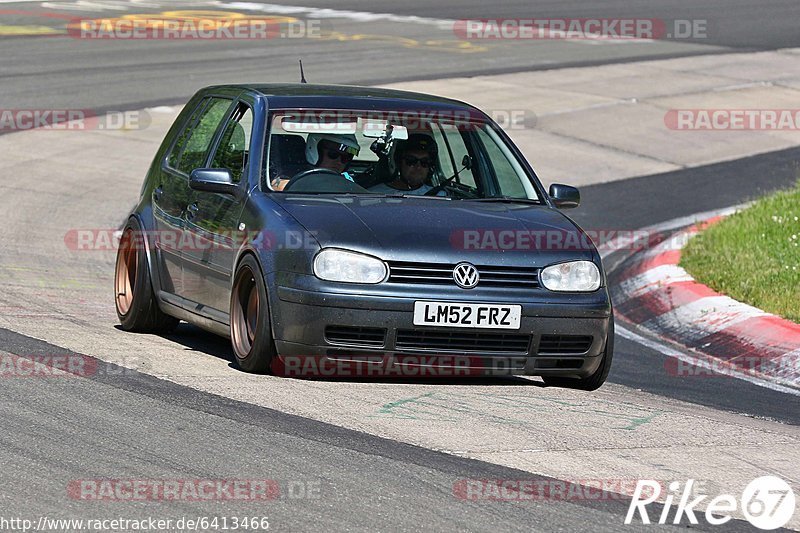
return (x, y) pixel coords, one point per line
(245, 312)
(251, 333)
(137, 307)
(127, 269)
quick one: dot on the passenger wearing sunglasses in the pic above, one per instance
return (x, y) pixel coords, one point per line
(414, 160)
(325, 150)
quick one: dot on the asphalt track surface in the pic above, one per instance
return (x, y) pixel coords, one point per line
(139, 426)
(142, 427)
(736, 24)
(65, 72)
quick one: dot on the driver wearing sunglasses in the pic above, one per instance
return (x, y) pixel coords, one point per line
(414, 160)
(330, 151)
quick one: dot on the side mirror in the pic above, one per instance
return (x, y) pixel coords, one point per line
(564, 196)
(213, 180)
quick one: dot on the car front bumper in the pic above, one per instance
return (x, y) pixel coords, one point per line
(559, 334)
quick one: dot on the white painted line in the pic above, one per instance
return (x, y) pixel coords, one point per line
(119, 5)
(162, 109)
(320, 13)
(86, 5)
(669, 352)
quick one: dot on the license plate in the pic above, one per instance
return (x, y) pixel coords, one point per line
(459, 315)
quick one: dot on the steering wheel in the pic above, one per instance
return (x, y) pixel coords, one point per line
(310, 172)
(434, 191)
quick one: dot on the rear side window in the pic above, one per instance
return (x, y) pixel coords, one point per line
(192, 146)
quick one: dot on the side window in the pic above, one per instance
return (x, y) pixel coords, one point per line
(234, 145)
(452, 150)
(175, 153)
(511, 178)
(444, 162)
(192, 146)
(508, 177)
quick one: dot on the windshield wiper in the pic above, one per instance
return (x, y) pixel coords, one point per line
(401, 195)
(505, 199)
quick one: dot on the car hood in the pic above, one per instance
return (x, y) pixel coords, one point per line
(440, 231)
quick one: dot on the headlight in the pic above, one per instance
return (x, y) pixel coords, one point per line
(349, 267)
(577, 276)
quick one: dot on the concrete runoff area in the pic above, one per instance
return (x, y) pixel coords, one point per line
(91, 179)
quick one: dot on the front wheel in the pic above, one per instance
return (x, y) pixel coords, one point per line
(137, 308)
(596, 379)
(251, 335)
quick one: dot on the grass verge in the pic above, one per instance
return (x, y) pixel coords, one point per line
(753, 256)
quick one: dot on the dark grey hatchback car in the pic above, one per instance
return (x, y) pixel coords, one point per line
(356, 226)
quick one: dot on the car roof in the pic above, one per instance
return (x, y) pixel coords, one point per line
(320, 96)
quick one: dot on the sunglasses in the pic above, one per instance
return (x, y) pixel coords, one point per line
(338, 151)
(335, 154)
(413, 161)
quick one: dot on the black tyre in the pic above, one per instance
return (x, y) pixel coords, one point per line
(135, 300)
(594, 381)
(251, 334)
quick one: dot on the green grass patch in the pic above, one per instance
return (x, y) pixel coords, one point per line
(753, 256)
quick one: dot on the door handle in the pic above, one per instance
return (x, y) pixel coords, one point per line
(191, 211)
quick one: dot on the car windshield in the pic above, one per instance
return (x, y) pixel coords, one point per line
(437, 155)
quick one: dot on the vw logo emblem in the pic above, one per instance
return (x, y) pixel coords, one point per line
(466, 275)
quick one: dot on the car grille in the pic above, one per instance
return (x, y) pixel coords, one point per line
(442, 274)
(355, 336)
(564, 344)
(461, 341)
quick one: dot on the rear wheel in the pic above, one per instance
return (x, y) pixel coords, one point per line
(596, 379)
(251, 335)
(137, 308)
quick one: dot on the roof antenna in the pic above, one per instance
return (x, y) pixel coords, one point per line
(302, 76)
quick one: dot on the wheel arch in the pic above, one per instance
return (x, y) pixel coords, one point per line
(249, 250)
(150, 256)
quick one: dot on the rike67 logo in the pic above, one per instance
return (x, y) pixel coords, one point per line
(767, 503)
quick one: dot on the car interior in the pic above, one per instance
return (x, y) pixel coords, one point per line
(471, 163)
(287, 158)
